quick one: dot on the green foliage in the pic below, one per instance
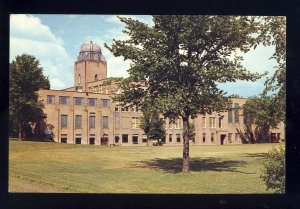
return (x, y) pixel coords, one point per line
(273, 171)
(151, 123)
(261, 114)
(181, 59)
(25, 79)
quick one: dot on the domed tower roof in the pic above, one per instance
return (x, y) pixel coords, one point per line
(90, 51)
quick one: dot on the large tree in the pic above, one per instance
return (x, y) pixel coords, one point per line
(25, 79)
(182, 59)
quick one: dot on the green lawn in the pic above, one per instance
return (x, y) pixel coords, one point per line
(53, 167)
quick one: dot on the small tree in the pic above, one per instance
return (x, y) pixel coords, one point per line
(151, 123)
(273, 171)
(25, 79)
(261, 114)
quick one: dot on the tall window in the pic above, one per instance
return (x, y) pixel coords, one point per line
(177, 124)
(92, 121)
(125, 109)
(204, 137)
(204, 122)
(236, 113)
(135, 122)
(79, 79)
(237, 137)
(64, 121)
(220, 122)
(212, 122)
(212, 137)
(230, 113)
(50, 99)
(96, 77)
(135, 139)
(104, 121)
(124, 138)
(63, 100)
(78, 100)
(92, 102)
(230, 137)
(105, 102)
(178, 137)
(170, 137)
(78, 121)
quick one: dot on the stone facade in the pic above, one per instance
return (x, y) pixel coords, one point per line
(86, 113)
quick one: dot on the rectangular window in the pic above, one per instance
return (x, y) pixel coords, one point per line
(178, 138)
(212, 137)
(236, 113)
(92, 102)
(77, 140)
(236, 137)
(177, 124)
(78, 121)
(50, 99)
(105, 102)
(144, 139)
(163, 140)
(170, 137)
(78, 100)
(135, 139)
(230, 137)
(204, 122)
(135, 122)
(125, 109)
(278, 137)
(63, 140)
(117, 108)
(63, 100)
(230, 113)
(92, 140)
(124, 138)
(134, 109)
(117, 138)
(212, 122)
(92, 122)
(64, 121)
(220, 122)
(204, 137)
(104, 121)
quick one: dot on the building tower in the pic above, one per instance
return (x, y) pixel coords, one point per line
(90, 66)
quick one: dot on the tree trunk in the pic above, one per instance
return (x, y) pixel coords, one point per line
(186, 146)
(20, 131)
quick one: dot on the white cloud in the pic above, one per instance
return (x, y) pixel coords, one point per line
(29, 35)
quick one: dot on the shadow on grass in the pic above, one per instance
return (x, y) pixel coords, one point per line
(257, 155)
(174, 165)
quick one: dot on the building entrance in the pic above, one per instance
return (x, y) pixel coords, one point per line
(104, 140)
(223, 136)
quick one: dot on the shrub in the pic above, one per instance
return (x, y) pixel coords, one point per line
(273, 171)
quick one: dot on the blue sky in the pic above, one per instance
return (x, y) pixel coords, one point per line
(55, 41)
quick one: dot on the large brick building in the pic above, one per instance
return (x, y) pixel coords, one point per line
(86, 113)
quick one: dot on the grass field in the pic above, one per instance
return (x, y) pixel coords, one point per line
(53, 167)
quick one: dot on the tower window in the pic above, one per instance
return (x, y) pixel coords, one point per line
(79, 79)
(96, 77)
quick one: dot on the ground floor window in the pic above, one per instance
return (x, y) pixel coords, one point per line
(117, 138)
(124, 138)
(170, 137)
(278, 137)
(204, 137)
(236, 138)
(144, 139)
(135, 139)
(230, 137)
(92, 140)
(63, 140)
(273, 137)
(163, 140)
(178, 138)
(212, 137)
(77, 140)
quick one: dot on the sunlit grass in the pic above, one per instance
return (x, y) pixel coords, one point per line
(53, 167)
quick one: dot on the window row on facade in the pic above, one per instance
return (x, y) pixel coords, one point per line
(65, 100)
